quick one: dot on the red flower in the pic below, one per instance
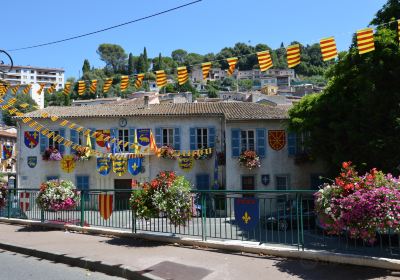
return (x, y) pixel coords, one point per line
(346, 165)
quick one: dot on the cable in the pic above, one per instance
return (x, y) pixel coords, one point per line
(106, 29)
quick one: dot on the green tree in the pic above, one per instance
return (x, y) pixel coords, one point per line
(179, 55)
(245, 85)
(158, 63)
(86, 66)
(389, 12)
(114, 56)
(21, 98)
(131, 64)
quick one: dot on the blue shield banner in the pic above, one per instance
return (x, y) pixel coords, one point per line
(135, 165)
(143, 136)
(247, 214)
(32, 161)
(103, 165)
(31, 139)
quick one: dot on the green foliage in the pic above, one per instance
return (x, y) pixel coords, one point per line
(57, 99)
(245, 85)
(131, 64)
(21, 98)
(114, 56)
(86, 66)
(389, 12)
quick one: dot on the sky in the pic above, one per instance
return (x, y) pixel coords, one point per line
(205, 27)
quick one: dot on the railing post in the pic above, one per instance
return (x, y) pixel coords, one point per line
(203, 217)
(298, 221)
(83, 207)
(133, 221)
(301, 222)
(41, 215)
(9, 204)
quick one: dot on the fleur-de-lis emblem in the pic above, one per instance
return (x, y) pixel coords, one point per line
(246, 218)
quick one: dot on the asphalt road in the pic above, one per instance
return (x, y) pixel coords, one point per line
(20, 267)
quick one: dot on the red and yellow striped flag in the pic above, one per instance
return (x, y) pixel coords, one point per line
(205, 68)
(124, 83)
(264, 60)
(365, 40)
(161, 78)
(15, 89)
(398, 29)
(182, 75)
(139, 80)
(51, 88)
(93, 86)
(293, 55)
(232, 64)
(328, 48)
(67, 88)
(107, 84)
(40, 88)
(81, 87)
(27, 89)
(3, 88)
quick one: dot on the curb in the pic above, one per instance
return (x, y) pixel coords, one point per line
(229, 245)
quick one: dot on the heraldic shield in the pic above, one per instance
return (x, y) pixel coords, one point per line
(247, 214)
(31, 139)
(135, 165)
(103, 165)
(105, 205)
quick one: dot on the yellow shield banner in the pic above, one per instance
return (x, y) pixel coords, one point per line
(68, 163)
(105, 205)
(186, 163)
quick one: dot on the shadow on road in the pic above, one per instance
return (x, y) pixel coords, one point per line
(316, 270)
(35, 229)
(132, 242)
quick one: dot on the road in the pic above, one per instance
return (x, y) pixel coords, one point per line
(20, 267)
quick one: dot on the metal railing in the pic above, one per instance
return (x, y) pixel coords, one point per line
(285, 218)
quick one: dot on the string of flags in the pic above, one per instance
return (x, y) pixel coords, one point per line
(365, 44)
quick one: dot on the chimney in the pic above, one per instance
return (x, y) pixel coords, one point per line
(146, 102)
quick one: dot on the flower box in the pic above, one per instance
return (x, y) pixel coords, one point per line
(249, 159)
(52, 154)
(3, 195)
(168, 152)
(56, 195)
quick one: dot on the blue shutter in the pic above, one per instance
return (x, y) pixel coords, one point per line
(235, 142)
(193, 145)
(292, 143)
(93, 139)
(44, 143)
(73, 138)
(177, 138)
(131, 138)
(61, 146)
(158, 137)
(211, 137)
(261, 142)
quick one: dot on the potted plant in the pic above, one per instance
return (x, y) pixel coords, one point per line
(52, 154)
(167, 152)
(82, 153)
(3, 195)
(57, 195)
(249, 159)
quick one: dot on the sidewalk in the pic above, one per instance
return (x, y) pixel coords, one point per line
(153, 260)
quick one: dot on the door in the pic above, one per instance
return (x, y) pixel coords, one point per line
(122, 197)
(248, 183)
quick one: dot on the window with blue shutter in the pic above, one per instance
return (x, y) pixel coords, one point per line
(131, 139)
(44, 142)
(291, 143)
(158, 137)
(61, 145)
(93, 139)
(235, 142)
(177, 139)
(261, 145)
(211, 137)
(193, 138)
(82, 183)
(73, 138)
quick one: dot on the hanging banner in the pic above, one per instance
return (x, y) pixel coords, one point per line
(205, 68)
(161, 78)
(103, 165)
(276, 139)
(67, 88)
(81, 87)
(247, 213)
(293, 55)
(143, 135)
(264, 60)
(232, 64)
(93, 86)
(186, 163)
(24, 201)
(119, 166)
(328, 48)
(32, 161)
(135, 165)
(68, 163)
(31, 139)
(27, 89)
(101, 137)
(107, 84)
(7, 151)
(365, 40)
(105, 205)
(182, 75)
(124, 83)
(139, 80)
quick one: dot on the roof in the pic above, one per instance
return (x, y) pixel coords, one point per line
(231, 111)
(32, 67)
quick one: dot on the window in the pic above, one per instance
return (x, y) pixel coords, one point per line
(60, 79)
(52, 143)
(32, 71)
(248, 183)
(301, 139)
(247, 140)
(59, 85)
(202, 134)
(82, 183)
(81, 138)
(32, 77)
(168, 136)
(282, 182)
(123, 134)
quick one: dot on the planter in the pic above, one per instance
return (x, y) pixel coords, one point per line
(250, 160)
(3, 195)
(57, 195)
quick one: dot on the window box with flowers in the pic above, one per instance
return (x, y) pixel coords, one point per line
(82, 153)
(168, 152)
(202, 156)
(52, 154)
(249, 159)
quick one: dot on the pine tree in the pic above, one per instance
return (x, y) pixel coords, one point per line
(146, 63)
(85, 67)
(130, 64)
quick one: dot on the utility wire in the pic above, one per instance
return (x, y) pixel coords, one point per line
(106, 29)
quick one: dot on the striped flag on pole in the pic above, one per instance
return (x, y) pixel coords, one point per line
(51, 88)
(3, 88)
(67, 88)
(81, 87)
(41, 88)
(124, 83)
(328, 48)
(365, 40)
(15, 89)
(27, 89)
(293, 55)
(264, 60)
(182, 75)
(161, 78)
(205, 68)
(107, 84)
(398, 29)
(232, 64)
(139, 80)
(93, 86)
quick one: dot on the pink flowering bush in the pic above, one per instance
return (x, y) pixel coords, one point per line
(3, 195)
(249, 159)
(57, 195)
(360, 205)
